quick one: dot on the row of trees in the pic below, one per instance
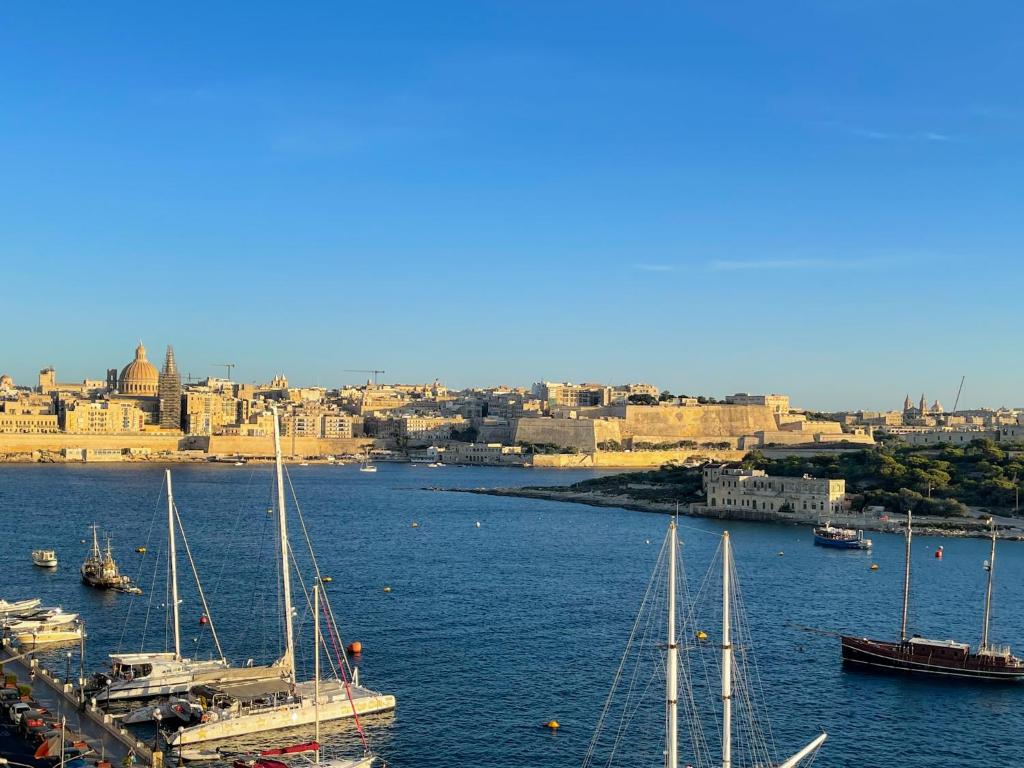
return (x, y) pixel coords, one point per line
(925, 479)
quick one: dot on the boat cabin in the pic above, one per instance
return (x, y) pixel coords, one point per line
(939, 649)
(130, 666)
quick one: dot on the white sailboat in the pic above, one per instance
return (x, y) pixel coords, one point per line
(243, 706)
(700, 753)
(149, 675)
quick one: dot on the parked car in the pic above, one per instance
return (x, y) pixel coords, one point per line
(15, 711)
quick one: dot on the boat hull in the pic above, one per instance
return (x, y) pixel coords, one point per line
(842, 543)
(902, 658)
(303, 713)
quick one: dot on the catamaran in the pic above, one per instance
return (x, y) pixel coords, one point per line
(257, 699)
(730, 674)
(148, 675)
(941, 658)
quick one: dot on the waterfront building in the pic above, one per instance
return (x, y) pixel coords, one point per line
(484, 453)
(169, 386)
(752, 489)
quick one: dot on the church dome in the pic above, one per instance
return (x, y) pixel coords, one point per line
(139, 377)
(6, 382)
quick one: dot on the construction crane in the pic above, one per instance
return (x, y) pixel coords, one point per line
(374, 371)
(226, 366)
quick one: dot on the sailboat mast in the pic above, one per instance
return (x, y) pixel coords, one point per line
(288, 661)
(726, 657)
(906, 579)
(988, 591)
(172, 554)
(672, 660)
(316, 667)
(95, 543)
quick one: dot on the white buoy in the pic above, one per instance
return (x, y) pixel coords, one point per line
(477, 523)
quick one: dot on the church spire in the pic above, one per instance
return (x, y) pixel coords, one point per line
(169, 365)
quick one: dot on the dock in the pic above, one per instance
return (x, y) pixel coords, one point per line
(107, 737)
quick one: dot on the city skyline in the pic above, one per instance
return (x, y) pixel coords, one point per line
(709, 199)
(357, 377)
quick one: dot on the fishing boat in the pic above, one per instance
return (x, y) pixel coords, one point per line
(100, 570)
(840, 538)
(148, 675)
(733, 672)
(260, 699)
(937, 658)
(44, 558)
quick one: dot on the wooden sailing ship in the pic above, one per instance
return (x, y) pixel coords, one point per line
(936, 658)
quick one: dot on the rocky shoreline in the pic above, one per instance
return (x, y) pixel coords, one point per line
(954, 527)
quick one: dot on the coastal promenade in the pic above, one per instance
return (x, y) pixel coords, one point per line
(103, 734)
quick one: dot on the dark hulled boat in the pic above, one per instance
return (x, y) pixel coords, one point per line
(943, 658)
(99, 569)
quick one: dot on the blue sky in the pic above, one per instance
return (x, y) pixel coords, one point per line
(815, 197)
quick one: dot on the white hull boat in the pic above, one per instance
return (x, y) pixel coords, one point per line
(18, 606)
(63, 633)
(245, 707)
(229, 724)
(151, 675)
(44, 558)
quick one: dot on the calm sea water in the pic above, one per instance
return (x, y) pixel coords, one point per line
(489, 632)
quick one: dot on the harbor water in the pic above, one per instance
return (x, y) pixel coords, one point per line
(489, 631)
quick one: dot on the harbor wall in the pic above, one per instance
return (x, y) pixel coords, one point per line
(32, 447)
(634, 459)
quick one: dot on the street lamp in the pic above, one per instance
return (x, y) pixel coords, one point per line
(156, 737)
(67, 669)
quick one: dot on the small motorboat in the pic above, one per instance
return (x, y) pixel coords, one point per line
(44, 558)
(176, 708)
(18, 606)
(48, 634)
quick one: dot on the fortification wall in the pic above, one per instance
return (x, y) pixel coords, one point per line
(567, 433)
(234, 445)
(22, 445)
(697, 422)
(27, 443)
(633, 460)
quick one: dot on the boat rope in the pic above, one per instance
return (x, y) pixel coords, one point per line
(199, 585)
(348, 686)
(325, 600)
(640, 626)
(142, 562)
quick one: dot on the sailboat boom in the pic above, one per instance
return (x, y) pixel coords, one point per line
(810, 748)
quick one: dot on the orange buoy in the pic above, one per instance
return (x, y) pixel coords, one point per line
(874, 566)
(938, 553)
(355, 647)
(203, 621)
(552, 724)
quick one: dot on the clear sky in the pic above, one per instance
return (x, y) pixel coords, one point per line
(818, 197)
